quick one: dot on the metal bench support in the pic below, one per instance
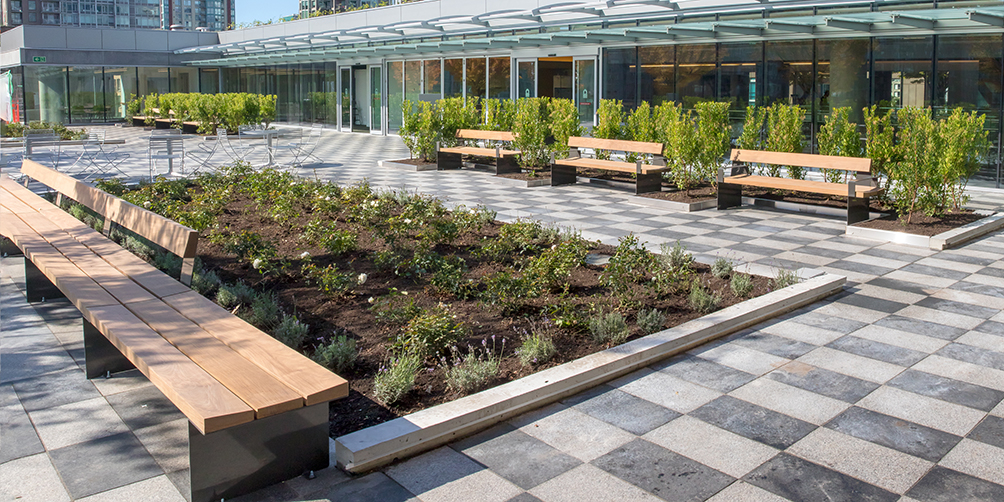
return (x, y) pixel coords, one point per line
(100, 356)
(448, 160)
(506, 164)
(251, 456)
(647, 183)
(37, 286)
(729, 195)
(562, 175)
(857, 209)
(8, 248)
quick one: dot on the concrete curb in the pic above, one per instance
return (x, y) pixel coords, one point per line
(673, 205)
(944, 240)
(407, 167)
(381, 444)
(540, 182)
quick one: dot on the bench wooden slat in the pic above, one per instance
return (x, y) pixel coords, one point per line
(857, 164)
(477, 151)
(487, 135)
(313, 382)
(207, 403)
(609, 165)
(266, 395)
(616, 144)
(821, 187)
(170, 235)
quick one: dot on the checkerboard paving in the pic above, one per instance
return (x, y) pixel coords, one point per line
(890, 390)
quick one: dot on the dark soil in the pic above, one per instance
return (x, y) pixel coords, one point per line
(413, 162)
(697, 194)
(528, 176)
(601, 174)
(922, 224)
(352, 314)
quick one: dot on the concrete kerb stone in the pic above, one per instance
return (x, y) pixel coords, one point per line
(672, 205)
(407, 167)
(992, 222)
(381, 444)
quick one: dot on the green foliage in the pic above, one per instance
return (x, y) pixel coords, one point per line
(650, 321)
(291, 331)
(713, 133)
(911, 177)
(455, 114)
(205, 282)
(784, 134)
(751, 137)
(677, 130)
(564, 121)
(329, 279)
(531, 131)
(964, 142)
(420, 129)
(449, 278)
(630, 264)
(722, 267)
(430, 333)
(742, 285)
(518, 238)
(880, 143)
(784, 277)
(397, 307)
(610, 123)
(701, 300)
(838, 136)
(265, 313)
(17, 130)
(608, 329)
(394, 382)
(466, 374)
(508, 290)
(640, 126)
(338, 355)
(324, 234)
(500, 114)
(470, 219)
(252, 247)
(675, 256)
(551, 269)
(232, 295)
(537, 348)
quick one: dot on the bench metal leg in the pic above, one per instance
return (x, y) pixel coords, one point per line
(507, 164)
(247, 457)
(562, 175)
(187, 270)
(729, 195)
(8, 248)
(100, 356)
(647, 183)
(446, 160)
(37, 286)
(857, 209)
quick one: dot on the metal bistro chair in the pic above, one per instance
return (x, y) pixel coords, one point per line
(41, 143)
(250, 137)
(304, 149)
(166, 144)
(95, 158)
(208, 148)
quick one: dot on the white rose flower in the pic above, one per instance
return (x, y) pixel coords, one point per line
(257, 263)
(304, 255)
(371, 300)
(361, 279)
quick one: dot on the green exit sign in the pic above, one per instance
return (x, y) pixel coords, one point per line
(38, 59)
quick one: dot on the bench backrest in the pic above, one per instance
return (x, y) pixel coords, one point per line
(858, 164)
(170, 235)
(615, 144)
(487, 135)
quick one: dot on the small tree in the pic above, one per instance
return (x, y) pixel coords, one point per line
(564, 123)
(911, 177)
(610, 123)
(751, 137)
(838, 136)
(713, 135)
(681, 143)
(784, 134)
(420, 130)
(499, 114)
(880, 143)
(531, 130)
(455, 114)
(963, 142)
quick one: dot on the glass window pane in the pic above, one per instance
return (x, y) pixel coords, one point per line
(788, 75)
(498, 78)
(45, 93)
(87, 103)
(695, 74)
(475, 83)
(209, 80)
(526, 81)
(433, 75)
(658, 73)
(184, 80)
(741, 65)
(120, 86)
(395, 95)
(620, 75)
(903, 71)
(412, 80)
(585, 89)
(331, 93)
(453, 78)
(231, 79)
(346, 98)
(376, 103)
(152, 80)
(842, 76)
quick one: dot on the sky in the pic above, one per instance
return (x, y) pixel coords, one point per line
(263, 10)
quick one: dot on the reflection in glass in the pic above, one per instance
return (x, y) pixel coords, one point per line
(788, 75)
(741, 67)
(585, 89)
(153, 80)
(376, 101)
(695, 74)
(345, 97)
(87, 103)
(842, 76)
(526, 80)
(475, 82)
(330, 93)
(45, 93)
(412, 80)
(498, 78)
(184, 80)
(120, 86)
(658, 73)
(209, 80)
(620, 75)
(433, 76)
(395, 95)
(903, 72)
(453, 78)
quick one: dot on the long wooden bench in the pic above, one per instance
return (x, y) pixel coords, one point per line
(258, 410)
(857, 190)
(505, 160)
(170, 235)
(649, 176)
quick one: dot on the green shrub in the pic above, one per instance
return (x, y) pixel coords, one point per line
(675, 256)
(500, 114)
(880, 143)
(784, 134)
(167, 262)
(509, 290)
(751, 137)
(291, 331)
(518, 238)
(640, 127)
(430, 333)
(329, 280)
(650, 321)
(964, 143)
(338, 355)
(722, 267)
(679, 134)
(138, 247)
(232, 295)
(265, 313)
(397, 307)
(420, 129)
(396, 380)
(742, 285)
(537, 348)
(784, 277)
(564, 119)
(701, 300)
(205, 282)
(324, 234)
(532, 131)
(449, 278)
(610, 123)
(473, 218)
(608, 329)
(630, 264)
(714, 132)
(552, 268)
(455, 114)
(838, 136)
(473, 372)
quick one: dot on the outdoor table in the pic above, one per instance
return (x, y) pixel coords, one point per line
(269, 135)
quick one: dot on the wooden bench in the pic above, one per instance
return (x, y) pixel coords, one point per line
(257, 410)
(856, 190)
(505, 160)
(649, 177)
(168, 234)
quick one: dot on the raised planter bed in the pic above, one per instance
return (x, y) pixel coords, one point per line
(407, 166)
(423, 430)
(992, 222)
(673, 205)
(537, 181)
(802, 208)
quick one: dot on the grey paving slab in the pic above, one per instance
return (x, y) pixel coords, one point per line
(524, 497)
(823, 381)
(900, 285)
(32, 479)
(123, 461)
(946, 485)
(920, 327)
(891, 255)
(877, 350)
(754, 422)
(944, 273)
(868, 302)
(947, 389)
(55, 389)
(827, 322)
(982, 289)
(975, 355)
(372, 487)
(958, 308)
(797, 479)
(992, 327)
(619, 408)
(898, 434)
(17, 434)
(989, 431)
(772, 344)
(704, 372)
(663, 473)
(516, 456)
(144, 407)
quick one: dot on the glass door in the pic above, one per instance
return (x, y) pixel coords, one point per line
(376, 100)
(526, 78)
(585, 88)
(345, 98)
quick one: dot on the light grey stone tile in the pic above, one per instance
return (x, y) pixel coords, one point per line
(32, 479)
(717, 448)
(76, 422)
(573, 432)
(587, 483)
(791, 401)
(935, 413)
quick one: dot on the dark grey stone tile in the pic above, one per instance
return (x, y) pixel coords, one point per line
(822, 381)
(103, 464)
(695, 247)
(907, 437)
(754, 422)
(274, 493)
(944, 273)
(989, 431)
(861, 268)
(17, 434)
(820, 229)
(828, 322)
(765, 227)
(824, 252)
(662, 472)
(891, 255)
(962, 258)
(919, 327)
(771, 261)
(516, 456)
(877, 350)
(909, 287)
(870, 302)
(992, 272)
(144, 407)
(372, 487)
(947, 389)
(801, 480)
(621, 409)
(704, 372)
(981, 289)
(753, 248)
(729, 236)
(958, 308)
(794, 239)
(55, 389)
(524, 497)
(182, 480)
(991, 327)
(975, 355)
(669, 234)
(945, 485)
(772, 344)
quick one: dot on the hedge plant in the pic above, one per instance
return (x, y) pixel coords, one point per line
(838, 136)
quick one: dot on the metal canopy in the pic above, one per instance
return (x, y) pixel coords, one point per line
(413, 37)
